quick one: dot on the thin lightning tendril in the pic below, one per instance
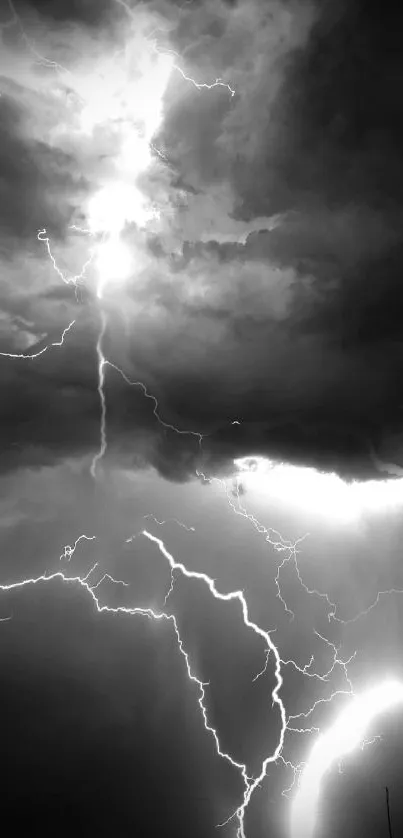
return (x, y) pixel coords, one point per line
(175, 520)
(34, 355)
(101, 392)
(69, 550)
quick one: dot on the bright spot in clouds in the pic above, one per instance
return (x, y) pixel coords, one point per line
(315, 492)
(127, 91)
(116, 205)
(114, 262)
(346, 734)
(127, 87)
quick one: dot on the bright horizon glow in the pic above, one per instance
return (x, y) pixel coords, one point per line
(346, 734)
(314, 492)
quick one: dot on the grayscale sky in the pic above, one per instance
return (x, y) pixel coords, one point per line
(201, 247)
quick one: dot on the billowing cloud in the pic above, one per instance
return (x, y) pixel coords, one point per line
(267, 291)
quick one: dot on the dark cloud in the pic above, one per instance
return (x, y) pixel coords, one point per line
(36, 181)
(83, 12)
(291, 327)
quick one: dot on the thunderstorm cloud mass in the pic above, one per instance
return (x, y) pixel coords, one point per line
(201, 415)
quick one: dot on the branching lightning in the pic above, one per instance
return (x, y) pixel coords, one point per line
(204, 85)
(175, 520)
(114, 206)
(101, 392)
(69, 550)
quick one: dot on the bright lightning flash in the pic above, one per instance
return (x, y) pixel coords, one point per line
(121, 202)
(316, 493)
(343, 736)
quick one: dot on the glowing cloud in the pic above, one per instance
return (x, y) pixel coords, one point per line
(314, 492)
(123, 94)
(114, 261)
(346, 734)
(114, 206)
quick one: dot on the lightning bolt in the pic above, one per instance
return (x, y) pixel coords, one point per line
(72, 280)
(252, 783)
(69, 550)
(101, 392)
(288, 722)
(91, 588)
(175, 520)
(41, 351)
(204, 85)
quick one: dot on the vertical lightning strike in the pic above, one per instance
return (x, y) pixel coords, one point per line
(250, 784)
(101, 392)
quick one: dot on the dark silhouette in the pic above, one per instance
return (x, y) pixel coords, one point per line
(387, 806)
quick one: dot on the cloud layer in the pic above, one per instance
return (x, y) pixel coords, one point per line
(269, 290)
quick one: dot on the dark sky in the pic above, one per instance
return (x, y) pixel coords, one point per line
(260, 318)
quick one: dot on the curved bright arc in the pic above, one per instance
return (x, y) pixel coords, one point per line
(346, 734)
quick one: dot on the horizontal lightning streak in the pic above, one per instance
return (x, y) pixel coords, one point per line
(175, 520)
(34, 355)
(366, 611)
(203, 85)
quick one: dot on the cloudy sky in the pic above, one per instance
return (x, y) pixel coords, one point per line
(201, 367)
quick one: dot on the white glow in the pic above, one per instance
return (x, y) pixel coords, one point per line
(317, 493)
(126, 94)
(116, 205)
(114, 262)
(346, 734)
(127, 86)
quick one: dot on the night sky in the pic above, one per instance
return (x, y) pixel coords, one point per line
(201, 368)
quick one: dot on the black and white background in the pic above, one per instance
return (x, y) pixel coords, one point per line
(262, 315)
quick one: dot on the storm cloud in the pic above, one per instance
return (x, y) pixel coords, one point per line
(270, 292)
